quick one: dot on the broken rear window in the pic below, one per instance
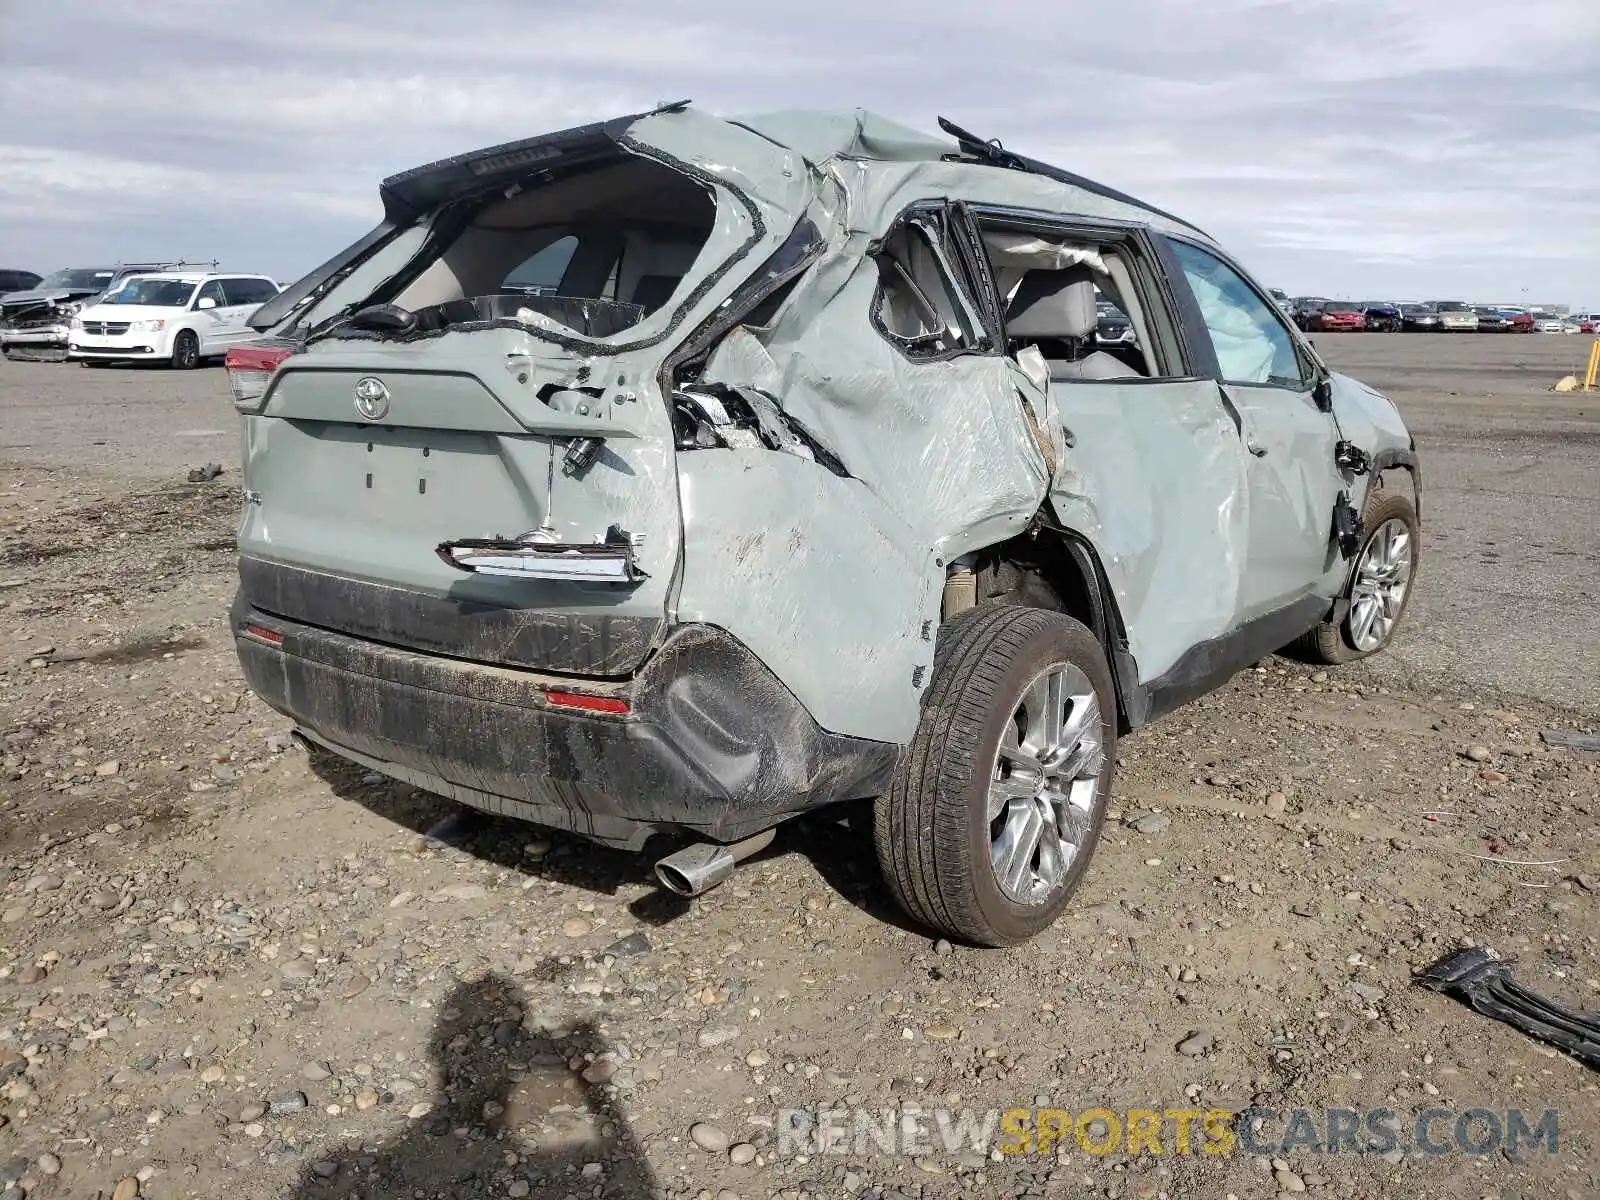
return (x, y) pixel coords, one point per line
(620, 237)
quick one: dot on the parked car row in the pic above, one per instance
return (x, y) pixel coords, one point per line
(1316, 314)
(175, 312)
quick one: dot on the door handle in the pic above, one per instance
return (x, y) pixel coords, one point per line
(1256, 448)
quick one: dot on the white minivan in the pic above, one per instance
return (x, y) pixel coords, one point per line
(179, 317)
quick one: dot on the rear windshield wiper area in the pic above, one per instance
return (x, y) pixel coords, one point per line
(588, 317)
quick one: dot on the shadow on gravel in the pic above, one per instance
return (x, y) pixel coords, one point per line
(497, 840)
(510, 1118)
(837, 840)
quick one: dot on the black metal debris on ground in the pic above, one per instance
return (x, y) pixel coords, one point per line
(206, 473)
(1482, 979)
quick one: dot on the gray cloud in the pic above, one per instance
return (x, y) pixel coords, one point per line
(1427, 147)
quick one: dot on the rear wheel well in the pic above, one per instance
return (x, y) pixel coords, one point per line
(1054, 569)
(1037, 571)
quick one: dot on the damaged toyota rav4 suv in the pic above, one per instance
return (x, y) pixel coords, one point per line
(678, 474)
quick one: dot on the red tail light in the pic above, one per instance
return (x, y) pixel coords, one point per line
(250, 370)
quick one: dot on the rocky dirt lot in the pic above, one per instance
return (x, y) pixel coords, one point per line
(228, 968)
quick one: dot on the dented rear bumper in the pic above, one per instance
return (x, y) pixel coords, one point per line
(711, 741)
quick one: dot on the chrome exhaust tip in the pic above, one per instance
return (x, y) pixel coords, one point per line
(695, 870)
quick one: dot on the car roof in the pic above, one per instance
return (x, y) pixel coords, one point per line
(854, 139)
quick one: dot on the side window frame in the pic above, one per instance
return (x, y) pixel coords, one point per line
(1311, 366)
(230, 291)
(1174, 354)
(931, 221)
(200, 294)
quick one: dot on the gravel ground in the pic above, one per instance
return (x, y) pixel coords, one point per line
(228, 968)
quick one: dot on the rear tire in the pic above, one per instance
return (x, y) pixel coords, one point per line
(185, 351)
(984, 774)
(1372, 601)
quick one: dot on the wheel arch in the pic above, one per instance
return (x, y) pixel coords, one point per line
(1051, 566)
(1399, 459)
(189, 331)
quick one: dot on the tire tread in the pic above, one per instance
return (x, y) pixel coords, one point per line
(918, 824)
(1325, 643)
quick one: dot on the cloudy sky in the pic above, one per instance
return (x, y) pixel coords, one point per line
(1405, 148)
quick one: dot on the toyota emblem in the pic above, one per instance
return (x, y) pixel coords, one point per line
(372, 398)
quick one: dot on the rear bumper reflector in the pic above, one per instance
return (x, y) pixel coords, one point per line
(269, 636)
(600, 704)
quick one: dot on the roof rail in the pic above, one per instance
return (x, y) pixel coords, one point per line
(167, 264)
(992, 152)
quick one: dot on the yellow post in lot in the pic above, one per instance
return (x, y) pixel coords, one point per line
(1593, 368)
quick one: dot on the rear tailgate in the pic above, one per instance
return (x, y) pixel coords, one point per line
(349, 499)
(346, 511)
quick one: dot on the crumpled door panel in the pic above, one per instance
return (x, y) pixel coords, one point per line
(815, 578)
(1155, 477)
(940, 461)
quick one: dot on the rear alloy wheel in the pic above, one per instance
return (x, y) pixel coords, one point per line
(989, 824)
(185, 351)
(1380, 584)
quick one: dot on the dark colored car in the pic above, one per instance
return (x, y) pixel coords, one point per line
(18, 281)
(1303, 308)
(1336, 316)
(1420, 318)
(1381, 316)
(1491, 320)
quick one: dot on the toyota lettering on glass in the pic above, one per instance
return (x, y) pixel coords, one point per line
(372, 398)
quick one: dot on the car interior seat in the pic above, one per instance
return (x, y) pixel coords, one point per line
(1056, 310)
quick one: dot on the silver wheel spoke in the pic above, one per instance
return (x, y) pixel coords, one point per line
(1045, 784)
(1052, 854)
(1361, 625)
(1003, 791)
(1042, 706)
(1019, 757)
(1013, 851)
(1082, 720)
(1379, 589)
(1080, 802)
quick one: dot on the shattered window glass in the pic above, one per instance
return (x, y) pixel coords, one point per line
(917, 303)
